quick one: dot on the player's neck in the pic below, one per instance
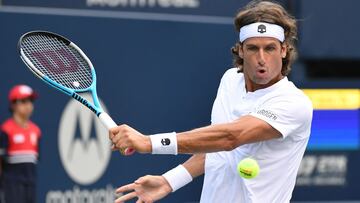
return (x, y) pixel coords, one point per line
(22, 121)
(251, 86)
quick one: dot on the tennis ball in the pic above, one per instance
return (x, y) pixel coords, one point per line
(248, 168)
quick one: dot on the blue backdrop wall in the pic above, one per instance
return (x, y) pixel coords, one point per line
(156, 72)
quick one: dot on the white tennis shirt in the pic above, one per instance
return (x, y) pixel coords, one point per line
(284, 107)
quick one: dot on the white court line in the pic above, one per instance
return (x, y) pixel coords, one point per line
(118, 14)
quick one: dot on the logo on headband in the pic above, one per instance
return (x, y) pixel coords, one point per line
(261, 28)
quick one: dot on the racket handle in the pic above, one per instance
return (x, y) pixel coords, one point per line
(109, 123)
(107, 120)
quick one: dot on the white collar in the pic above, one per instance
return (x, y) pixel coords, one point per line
(266, 90)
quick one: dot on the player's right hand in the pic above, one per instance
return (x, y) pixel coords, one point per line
(147, 189)
(125, 137)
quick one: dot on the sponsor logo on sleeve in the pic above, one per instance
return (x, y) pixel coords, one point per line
(267, 114)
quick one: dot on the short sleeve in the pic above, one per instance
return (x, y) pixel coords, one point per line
(218, 109)
(227, 78)
(290, 115)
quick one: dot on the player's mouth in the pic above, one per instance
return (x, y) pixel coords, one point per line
(261, 71)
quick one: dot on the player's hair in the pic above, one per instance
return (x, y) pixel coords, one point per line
(268, 12)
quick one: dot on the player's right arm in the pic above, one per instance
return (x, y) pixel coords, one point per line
(152, 188)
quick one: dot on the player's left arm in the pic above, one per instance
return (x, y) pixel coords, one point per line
(220, 137)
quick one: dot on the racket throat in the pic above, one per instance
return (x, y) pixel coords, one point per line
(85, 103)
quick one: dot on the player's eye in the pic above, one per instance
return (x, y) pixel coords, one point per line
(252, 48)
(270, 48)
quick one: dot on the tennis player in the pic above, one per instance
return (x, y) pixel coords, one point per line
(257, 113)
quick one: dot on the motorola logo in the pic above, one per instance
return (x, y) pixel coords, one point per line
(84, 146)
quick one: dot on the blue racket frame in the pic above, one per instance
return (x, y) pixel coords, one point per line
(96, 106)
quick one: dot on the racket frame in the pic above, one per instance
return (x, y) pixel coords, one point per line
(96, 107)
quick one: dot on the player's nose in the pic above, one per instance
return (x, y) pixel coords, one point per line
(261, 57)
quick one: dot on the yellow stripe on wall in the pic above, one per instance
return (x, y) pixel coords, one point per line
(334, 98)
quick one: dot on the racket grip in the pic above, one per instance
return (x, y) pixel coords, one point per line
(109, 123)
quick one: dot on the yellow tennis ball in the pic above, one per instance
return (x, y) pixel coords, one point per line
(248, 168)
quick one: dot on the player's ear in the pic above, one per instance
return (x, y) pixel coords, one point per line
(240, 50)
(283, 50)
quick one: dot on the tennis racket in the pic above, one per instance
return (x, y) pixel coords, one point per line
(61, 64)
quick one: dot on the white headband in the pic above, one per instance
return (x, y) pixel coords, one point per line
(261, 29)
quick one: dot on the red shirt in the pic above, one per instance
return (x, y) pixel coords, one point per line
(22, 143)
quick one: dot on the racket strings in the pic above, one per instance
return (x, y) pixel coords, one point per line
(58, 61)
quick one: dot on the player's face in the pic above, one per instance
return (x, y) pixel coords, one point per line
(23, 107)
(262, 60)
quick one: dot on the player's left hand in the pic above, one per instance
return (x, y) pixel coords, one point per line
(124, 136)
(147, 189)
